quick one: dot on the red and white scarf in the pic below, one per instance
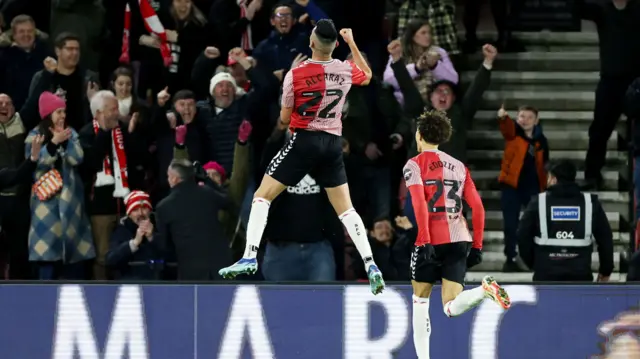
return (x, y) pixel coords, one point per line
(153, 25)
(106, 177)
(246, 42)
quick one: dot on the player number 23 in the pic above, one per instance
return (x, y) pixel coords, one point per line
(452, 194)
(314, 98)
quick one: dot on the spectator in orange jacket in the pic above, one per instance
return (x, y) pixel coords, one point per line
(522, 172)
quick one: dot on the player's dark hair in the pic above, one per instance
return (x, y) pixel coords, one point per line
(528, 108)
(434, 127)
(563, 170)
(326, 31)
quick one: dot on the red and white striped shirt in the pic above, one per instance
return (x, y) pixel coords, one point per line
(438, 183)
(316, 90)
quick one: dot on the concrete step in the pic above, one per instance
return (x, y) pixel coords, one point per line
(494, 221)
(546, 38)
(550, 120)
(526, 277)
(487, 119)
(611, 201)
(539, 80)
(538, 61)
(558, 140)
(490, 159)
(543, 101)
(493, 261)
(488, 179)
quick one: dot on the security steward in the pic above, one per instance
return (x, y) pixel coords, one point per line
(558, 227)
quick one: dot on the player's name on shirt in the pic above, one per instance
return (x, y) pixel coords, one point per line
(326, 77)
(441, 164)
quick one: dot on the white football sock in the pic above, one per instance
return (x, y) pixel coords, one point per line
(421, 326)
(255, 227)
(358, 233)
(466, 300)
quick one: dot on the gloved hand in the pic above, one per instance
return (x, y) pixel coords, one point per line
(181, 134)
(244, 131)
(428, 252)
(474, 258)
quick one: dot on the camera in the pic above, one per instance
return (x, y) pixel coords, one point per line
(200, 173)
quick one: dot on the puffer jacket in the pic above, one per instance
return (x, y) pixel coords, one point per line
(516, 147)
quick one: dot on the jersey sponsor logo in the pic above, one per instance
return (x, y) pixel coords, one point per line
(565, 213)
(407, 174)
(306, 186)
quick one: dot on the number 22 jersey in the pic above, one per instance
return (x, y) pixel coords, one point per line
(317, 90)
(438, 183)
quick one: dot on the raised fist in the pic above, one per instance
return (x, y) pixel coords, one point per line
(490, 52)
(432, 58)
(347, 35)
(50, 64)
(395, 50)
(212, 52)
(163, 97)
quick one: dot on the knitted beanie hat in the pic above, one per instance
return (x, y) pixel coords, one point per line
(49, 103)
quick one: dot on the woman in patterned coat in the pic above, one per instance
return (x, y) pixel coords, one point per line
(60, 234)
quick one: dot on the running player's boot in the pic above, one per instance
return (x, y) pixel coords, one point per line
(243, 266)
(495, 292)
(376, 283)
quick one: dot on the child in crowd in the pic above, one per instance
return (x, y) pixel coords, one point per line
(522, 172)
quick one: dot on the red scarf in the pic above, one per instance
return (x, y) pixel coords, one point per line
(152, 24)
(121, 180)
(246, 42)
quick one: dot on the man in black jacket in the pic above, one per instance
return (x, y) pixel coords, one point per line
(556, 232)
(616, 20)
(12, 176)
(188, 225)
(15, 214)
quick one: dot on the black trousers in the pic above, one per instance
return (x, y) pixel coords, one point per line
(502, 11)
(15, 218)
(608, 108)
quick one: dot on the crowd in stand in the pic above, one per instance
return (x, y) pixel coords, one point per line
(146, 125)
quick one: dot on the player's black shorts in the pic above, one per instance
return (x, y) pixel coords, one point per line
(316, 153)
(449, 262)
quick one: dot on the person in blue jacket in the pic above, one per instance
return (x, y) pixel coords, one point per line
(289, 37)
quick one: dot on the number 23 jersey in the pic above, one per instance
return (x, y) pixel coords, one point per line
(317, 90)
(438, 183)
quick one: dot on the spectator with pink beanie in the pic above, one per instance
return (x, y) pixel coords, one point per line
(60, 236)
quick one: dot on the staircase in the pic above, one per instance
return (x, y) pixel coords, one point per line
(558, 76)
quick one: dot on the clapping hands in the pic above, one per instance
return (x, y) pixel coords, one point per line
(60, 135)
(36, 145)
